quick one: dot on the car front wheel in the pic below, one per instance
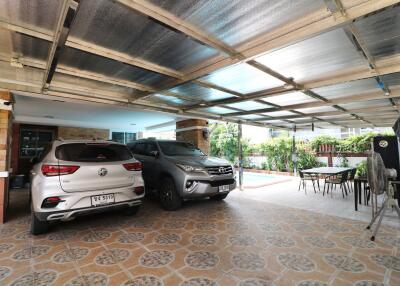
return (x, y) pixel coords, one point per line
(169, 197)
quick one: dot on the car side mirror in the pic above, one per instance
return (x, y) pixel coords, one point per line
(154, 154)
(35, 160)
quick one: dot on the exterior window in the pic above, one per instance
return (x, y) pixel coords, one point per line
(34, 142)
(118, 137)
(129, 137)
(123, 137)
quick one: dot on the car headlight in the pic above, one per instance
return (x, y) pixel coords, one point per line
(188, 168)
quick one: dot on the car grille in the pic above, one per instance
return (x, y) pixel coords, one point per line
(219, 170)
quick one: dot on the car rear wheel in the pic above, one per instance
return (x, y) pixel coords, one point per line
(219, 197)
(169, 197)
(131, 210)
(38, 226)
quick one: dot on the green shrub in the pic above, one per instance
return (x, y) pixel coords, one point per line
(362, 169)
(323, 139)
(279, 155)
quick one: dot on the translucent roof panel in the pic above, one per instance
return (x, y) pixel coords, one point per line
(348, 88)
(381, 32)
(243, 78)
(235, 21)
(279, 113)
(25, 46)
(216, 110)
(323, 54)
(317, 109)
(248, 105)
(171, 100)
(289, 98)
(392, 79)
(251, 116)
(199, 92)
(116, 27)
(370, 103)
(90, 62)
(39, 13)
(380, 114)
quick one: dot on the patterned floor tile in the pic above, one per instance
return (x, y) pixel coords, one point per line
(237, 242)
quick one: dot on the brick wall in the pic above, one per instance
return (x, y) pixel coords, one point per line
(195, 135)
(83, 133)
(5, 139)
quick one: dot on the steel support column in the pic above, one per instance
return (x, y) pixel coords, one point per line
(240, 148)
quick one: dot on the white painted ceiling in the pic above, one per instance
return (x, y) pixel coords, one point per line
(37, 111)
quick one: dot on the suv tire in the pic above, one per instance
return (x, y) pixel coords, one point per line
(38, 226)
(169, 197)
(131, 210)
(219, 197)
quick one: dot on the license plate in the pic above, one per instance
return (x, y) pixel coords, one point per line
(224, 188)
(101, 200)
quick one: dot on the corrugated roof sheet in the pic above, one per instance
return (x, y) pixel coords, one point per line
(112, 25)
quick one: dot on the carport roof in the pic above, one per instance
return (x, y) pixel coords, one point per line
(332, 63)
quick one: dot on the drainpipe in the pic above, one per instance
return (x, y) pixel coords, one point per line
(240, 156)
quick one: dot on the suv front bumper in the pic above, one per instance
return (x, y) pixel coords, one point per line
(206, 188)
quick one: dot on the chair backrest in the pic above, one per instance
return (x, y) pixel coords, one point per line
(301, 174)
(352, 174)
(344, 176)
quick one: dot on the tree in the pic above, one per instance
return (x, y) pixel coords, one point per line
(224, 142)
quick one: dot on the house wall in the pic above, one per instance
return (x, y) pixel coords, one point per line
(83, 133)
(23, 165)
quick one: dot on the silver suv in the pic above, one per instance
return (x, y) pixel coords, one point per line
(79, 177)
(178, 171)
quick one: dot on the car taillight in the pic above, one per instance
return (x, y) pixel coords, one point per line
(58, 170)
(139, 190)
(51, 202)
(136, 166)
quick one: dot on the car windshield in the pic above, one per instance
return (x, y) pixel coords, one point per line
(179, 149)
(96, 152)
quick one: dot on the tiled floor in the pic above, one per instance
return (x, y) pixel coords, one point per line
(236, 242)
(287, 194)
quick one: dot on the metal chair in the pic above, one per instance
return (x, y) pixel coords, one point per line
(350, 179)
(339, 179)
(308, 177)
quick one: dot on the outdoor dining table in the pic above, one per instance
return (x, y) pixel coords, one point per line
(328, 171)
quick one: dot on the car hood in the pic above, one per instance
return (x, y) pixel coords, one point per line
(203, 161)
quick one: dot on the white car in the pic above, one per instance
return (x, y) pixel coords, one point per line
(78, 177)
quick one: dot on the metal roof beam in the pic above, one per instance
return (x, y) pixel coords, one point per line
(342, 100)
(74, 92)
(65, 20)
(335, 113)
(384, 66)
